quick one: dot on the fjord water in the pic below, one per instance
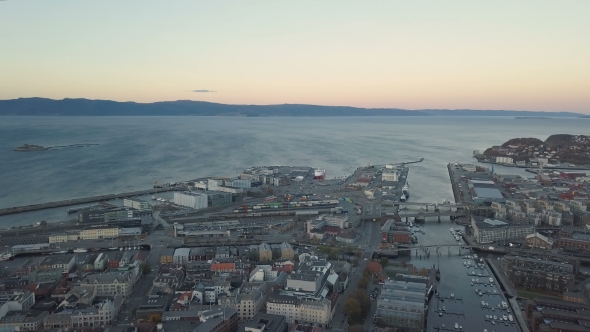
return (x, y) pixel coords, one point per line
(134, 152)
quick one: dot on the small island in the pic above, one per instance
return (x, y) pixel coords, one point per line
(31, 147)
(557, 151)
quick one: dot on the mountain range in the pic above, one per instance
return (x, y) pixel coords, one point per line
(87, 107)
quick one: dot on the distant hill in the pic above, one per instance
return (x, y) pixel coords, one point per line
(559, 148)
(87, 107)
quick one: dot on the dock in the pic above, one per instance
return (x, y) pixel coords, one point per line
(84, 200)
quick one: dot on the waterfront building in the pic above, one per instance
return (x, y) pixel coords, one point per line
(401, 303)
(551, 314)
(540, 270)
(574, 239)
(487, 230)
(138, 204)
(191, 199)
(391, 232)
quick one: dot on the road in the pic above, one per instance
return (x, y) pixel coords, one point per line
(369, 242)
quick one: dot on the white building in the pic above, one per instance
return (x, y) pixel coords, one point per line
(491, 230)
(190, 199)
(391, 176)
(262, 273)
(504, 160)
(137, 204)
(240, 183)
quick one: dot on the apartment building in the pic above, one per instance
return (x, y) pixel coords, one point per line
(542, 271)
(298, 307)
(111, 283)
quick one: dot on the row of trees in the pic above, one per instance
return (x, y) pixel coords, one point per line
(357, 306)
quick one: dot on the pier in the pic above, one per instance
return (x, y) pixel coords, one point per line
(84, 200)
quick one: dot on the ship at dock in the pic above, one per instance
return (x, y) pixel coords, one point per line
(406, 190)
(31, 147)
(319, 174)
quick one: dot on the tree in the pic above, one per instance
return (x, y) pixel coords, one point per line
(155, 318)
(423, 272)
(145, 268)
(352, 308)
(414, 270)
(384, 261)
(364, 301)
(363, 283)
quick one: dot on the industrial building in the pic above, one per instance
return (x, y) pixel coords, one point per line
(487, 230)
(401, 303)
(191, 199)
(484, 191)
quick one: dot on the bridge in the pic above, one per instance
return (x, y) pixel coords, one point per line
(425, 206)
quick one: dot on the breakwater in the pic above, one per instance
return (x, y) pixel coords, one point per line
(84, 200)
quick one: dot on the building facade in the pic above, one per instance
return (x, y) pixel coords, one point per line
(190, 199)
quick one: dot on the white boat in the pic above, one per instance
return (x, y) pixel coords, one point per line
(491, 280)
(114, 248)
(402, 198)
(480, 294)
(452, 295)
(62, 252)
(495, 317)
(510, 318)
(121, 249)
(154, 198)
(80, 250)
(475, 256)
(505, 317)
(456, 325)
(406, 190)
(483, 303)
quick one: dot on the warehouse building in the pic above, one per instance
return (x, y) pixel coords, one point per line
(401, 303)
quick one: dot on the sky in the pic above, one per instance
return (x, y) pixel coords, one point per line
(505, 54)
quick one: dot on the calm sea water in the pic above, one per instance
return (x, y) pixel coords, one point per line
(134, 152)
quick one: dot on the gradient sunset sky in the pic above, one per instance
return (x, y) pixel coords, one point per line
(518, 55)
